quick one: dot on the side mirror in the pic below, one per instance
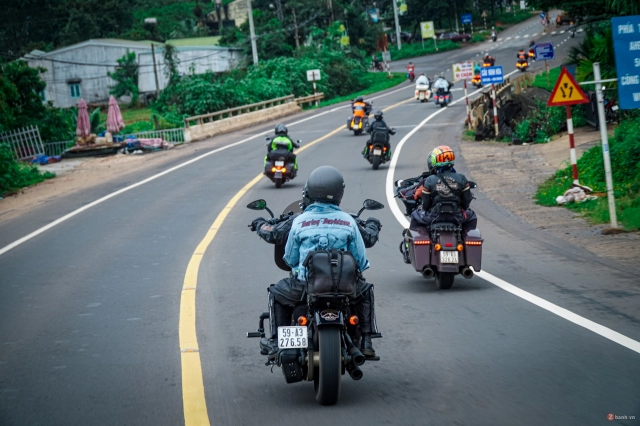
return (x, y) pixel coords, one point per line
(257, 205)
(268, 138)
(299, 141)
(372, 205)
(399, 183)
(473, 184)
(604, 88)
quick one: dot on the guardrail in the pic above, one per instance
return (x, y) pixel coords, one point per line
(231, 112)
(57, 148)
(310, 99)
(174, 136)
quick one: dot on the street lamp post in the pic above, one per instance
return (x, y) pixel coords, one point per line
(254, 49)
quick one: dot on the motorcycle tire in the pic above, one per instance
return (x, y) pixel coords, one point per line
(278, 182)
(357, 132)
(442, 105)
(376, 162)
(326, 379)
(444, 280)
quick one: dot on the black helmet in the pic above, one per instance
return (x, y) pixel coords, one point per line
(359, 99)
(378, 115)
(325, 185)
(281, 130)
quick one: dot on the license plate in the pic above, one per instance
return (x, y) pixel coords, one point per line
(615, 107)
(448, 257)
(292, 337)
(279, 163)
(377, 151)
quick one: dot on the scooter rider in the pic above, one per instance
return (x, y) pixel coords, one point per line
(445, 185)
(494, 34)
(281, 139)
(378, 125)
(322, 225)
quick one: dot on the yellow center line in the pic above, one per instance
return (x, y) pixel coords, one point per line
(193, 398)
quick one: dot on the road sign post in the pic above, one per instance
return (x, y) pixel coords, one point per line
(427, 31)
(484, 17)
(495, 111)
(466, 97)
(567, 92)
(605, 146)
(313, 75)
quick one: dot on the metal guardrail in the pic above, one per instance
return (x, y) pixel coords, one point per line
(57, 148)
(25, 142)
(174, 136)
(231, 112)
(309, 99)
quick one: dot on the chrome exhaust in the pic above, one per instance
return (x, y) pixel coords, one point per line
(467, 272)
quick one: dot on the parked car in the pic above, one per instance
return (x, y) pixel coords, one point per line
(565, 19)
(405, 37)
(454, 36)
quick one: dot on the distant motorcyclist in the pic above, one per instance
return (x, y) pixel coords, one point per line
(441, 84)
(422, 80)
(378, 125)
(445, 185)
(282, 145)
(493, 32)
(522, 56)
(375, 61)
(321, 226)
(411, 68)
(361, 108)
(488, 59)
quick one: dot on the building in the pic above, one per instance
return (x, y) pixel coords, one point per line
(80, 70)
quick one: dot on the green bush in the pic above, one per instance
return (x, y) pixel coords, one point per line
(15, 175)
(477, 38)
(546, 122)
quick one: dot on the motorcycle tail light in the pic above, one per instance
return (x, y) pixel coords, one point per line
(449, 244)
(273, 169)
(437, 247)
(353, 320)
(284, 170)
(473, 243)
(370, 146)
(460, 247)
(422, 243)
(302, 321)
(384, 149)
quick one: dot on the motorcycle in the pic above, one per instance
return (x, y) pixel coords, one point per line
(494, 36)
(477, 81)
(423, 92)
(279, 165)
(377, 148)
(610, 108)
(359, 122)
(532, 55)
(522, 65)
(443, 98)
(411, 76)
(442, 251)
(321, 343)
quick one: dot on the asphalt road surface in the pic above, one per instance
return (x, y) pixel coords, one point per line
(91, 328)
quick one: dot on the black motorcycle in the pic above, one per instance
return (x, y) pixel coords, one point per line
(322, 341)
(376, 151)
(279, 165)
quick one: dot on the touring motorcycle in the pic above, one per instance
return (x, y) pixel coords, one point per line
(322, 341)
(279, 164)
(442, 251)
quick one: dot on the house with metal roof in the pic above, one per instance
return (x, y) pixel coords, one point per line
(80, 70)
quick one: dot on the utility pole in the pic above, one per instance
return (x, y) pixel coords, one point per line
(395, 15)
(330, 7)
(219, 15)
(252, 31)
(155, 71)
(295, 27)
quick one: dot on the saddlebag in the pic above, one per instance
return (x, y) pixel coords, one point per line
(290, 363)
(330, 272)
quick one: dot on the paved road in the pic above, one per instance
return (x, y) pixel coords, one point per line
(90, 308)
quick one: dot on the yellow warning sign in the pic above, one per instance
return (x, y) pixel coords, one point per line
(567, 91)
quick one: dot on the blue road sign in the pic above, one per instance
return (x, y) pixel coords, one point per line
(466, 18)
(542, 15)
(491, 75)
(544, 51)
(626, 45)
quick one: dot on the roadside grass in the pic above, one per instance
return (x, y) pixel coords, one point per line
(15, 175)
(130, 115)
(625, 165)
(376, 82)
(415, 49)
(541, 79)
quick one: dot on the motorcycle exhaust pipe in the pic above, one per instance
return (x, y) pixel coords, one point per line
(467, 272)
(354, 371)
(356, 357)
(427, 272)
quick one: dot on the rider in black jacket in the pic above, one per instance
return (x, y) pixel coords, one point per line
(446, 185)
(379, 125)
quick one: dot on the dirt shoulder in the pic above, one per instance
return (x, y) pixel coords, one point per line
(527, 166)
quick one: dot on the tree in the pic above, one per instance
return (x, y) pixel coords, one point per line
(126, 77)
(20, 102)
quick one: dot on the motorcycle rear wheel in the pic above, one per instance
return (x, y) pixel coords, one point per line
(444, 280)
(326, 378)
(278, 182)
(376, 162)
(357, 132)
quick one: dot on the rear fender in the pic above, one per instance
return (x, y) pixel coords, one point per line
(444, 239)
(328, 317)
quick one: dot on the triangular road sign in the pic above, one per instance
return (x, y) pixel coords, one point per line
(567, 91)
(457, 69)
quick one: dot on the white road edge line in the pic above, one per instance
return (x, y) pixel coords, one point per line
(603, 331)
(156, 176)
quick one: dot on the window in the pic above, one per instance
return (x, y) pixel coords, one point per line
(75, 90)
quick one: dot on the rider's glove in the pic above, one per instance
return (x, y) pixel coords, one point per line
(375, 222)
(257, 223)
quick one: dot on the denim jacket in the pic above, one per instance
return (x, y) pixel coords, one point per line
(323, 227)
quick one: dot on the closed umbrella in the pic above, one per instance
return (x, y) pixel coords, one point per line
(114, 117)
(83, 128)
